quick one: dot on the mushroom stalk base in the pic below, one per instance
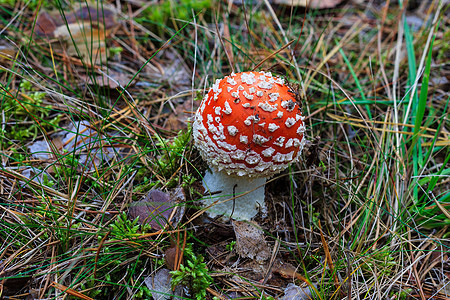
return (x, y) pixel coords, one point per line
(223, 187)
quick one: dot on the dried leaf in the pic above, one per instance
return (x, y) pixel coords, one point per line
(250, 241)
(105, 15)
(294, 292)
(7, 53)
(174, 71)
(159, 209)
(39, 150)
(11, 285)
(84, 30)
(171, 257)
(160, 286)
(36, 175)
(179, 120)
(84, 41)
(46, 24)
(89, 144)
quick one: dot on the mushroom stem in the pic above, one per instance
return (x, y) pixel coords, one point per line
(223, 187)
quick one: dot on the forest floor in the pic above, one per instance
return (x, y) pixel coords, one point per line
(100, 182)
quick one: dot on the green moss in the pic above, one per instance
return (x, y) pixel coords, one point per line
(193, 274)
(171, 153)
(161, 13)
(21, 113)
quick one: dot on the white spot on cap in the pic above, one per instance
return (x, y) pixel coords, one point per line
(248, 78)
(267, 107)
(265, 85)
(216, 88)
(290, 122)
(279, 80)
(217, 119)
(217, 131)
(232, 130)
(268, 152)
(288, 104)
(279, 114)
(235, 94)
(240, 88)
(231, 81)
(213, 129)
(229, 89)
(259, 139)
(279, 141)
(248, 96)
(301, 129)
(273, 127)
(238, 155)
(246, 105)
(227, 109)
(217, 110)
(249, 120)
(226, 146)
(251, 90)
(243, 139)
(259, 93)
(261, 167)
(289, 143)
(273, 97)
(289, 156)
(202, 107)
(253, 159)
(279, 157)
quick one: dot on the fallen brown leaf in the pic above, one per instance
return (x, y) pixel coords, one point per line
(250, 241)
(159, 209)
(84, 31)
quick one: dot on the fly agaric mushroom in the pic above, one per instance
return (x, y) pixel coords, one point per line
(248, 127)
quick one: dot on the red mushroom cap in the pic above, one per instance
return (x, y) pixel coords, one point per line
(249, 124)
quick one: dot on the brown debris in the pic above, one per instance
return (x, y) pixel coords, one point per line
(250, 241)
(84, 30)
(159, 209)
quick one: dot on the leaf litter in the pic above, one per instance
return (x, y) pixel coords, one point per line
(159, 209)
(83, 31)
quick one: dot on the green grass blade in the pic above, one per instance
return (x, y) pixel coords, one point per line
(358, 84)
